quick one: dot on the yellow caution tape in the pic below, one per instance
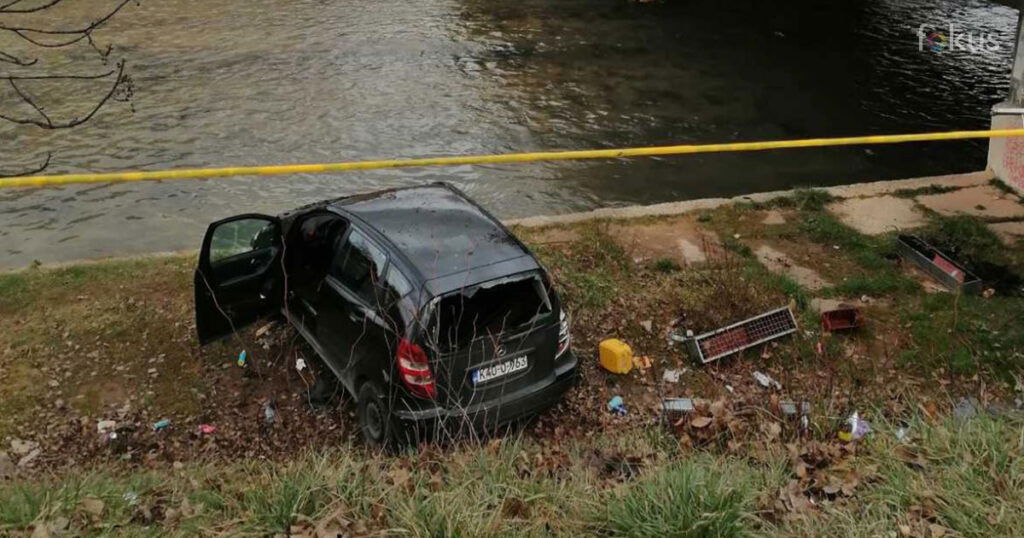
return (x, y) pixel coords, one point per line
(204, 173)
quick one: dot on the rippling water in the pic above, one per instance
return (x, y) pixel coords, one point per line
(239, 82)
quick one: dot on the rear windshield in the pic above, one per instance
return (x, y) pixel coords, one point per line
(508, 305)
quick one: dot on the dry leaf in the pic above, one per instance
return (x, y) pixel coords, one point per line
(93, 506)
(700, 422)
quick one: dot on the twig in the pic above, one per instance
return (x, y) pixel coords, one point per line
(36, 170)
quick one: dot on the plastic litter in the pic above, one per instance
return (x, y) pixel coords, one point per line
(269, 412)
(161, 424)
(207, 429)
(615, 356)
(677, 405)
(300, 364)
(105, 426)
(617, 405)
(855, 428)
(672, 375)
(242, 358)
(766, 381)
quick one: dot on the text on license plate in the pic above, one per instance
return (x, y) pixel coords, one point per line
(482, 375)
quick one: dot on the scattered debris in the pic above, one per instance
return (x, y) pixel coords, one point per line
(966, 408)
(677, 405)
(300, 364)
(902, 432)
(615, 356)
(938, 265)
(207, 429)
(844, 318)
(263, 330)
(643, 363)
(242, 358)
(105, 427)
(131, 498)
(743, 335)
(789, 408)
(766, 381)
(269, 412)
(648, 325)
(672, 375)
(161, 424)
(855, 428)
(617, 405)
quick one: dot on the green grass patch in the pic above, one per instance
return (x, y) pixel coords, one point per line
(966, 334)
(695, 498)
(924, 191)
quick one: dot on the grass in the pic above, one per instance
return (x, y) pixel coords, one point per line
(967, 335)
(924, 191)
(968, 478)
(701, 496)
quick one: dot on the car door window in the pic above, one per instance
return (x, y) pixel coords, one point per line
(239, 237)
(359, 266)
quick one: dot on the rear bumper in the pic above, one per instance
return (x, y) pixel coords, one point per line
(525, 402)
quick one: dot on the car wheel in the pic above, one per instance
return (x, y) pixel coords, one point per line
(375, 416)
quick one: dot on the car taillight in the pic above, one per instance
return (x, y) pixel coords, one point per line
(414, 370)
(563, 333)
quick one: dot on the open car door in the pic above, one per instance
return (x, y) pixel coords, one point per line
(238, 279)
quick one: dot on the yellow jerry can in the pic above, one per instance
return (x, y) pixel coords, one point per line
(615, 355)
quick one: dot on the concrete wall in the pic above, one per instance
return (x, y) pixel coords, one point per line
(1006, 155)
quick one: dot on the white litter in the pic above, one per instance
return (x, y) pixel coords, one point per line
(766, 381)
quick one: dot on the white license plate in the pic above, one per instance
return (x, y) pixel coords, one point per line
(511, 366)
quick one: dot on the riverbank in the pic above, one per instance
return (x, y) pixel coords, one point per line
(110, 345)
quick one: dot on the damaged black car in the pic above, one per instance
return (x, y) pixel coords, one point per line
(429, 312)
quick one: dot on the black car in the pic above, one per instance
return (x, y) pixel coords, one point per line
(429, 312)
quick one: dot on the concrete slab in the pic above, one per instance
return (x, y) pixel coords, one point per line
(873, 216)
(681, 240)
(1009, 232)
(779, 262)
(877, 188)
(980, 201)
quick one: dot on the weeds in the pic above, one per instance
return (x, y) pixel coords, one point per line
(696, 498)
(924, 191)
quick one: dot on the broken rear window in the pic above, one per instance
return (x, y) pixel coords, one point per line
(507, 305)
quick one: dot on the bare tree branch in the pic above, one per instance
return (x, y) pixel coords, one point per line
(22, 70)
(92, 26)
(27, 99)
(6, 7)
(11, 59)
(68, 124)
(36, 170)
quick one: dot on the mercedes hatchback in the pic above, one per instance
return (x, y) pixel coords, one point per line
(430, 313)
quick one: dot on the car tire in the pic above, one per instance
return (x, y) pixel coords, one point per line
(375, 420)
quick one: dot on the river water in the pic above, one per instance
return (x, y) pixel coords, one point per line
(245, 82)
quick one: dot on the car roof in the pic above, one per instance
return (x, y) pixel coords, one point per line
(438, 230)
